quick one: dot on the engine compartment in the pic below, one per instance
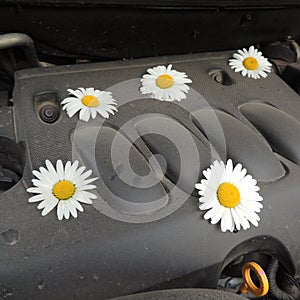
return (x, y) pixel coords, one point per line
(145, 234)
(142, 235)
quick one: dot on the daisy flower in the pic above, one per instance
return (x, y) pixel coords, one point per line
(251, 63)
(229, 195)
(64, 187)
(89, 102)
(165, 84)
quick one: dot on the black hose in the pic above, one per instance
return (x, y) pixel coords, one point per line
(288, 289)
(21, 40)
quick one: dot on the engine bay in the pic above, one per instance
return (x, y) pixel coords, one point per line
(144, 232)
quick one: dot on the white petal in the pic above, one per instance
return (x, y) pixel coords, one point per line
(76, 93)
(76, 204)
(72, 111)
(72, 209)
(218, 215)
(42, 204)
(34, 190)
(87, 187)
(212, 212)
(47, 176)
(49, 207)
(226, 221)
(66, 211)
(60, 170)
(36, 198)
(236, 219)
(42, 184)
(60, 210)
(93, 113)
(84, 114)
(208, 204)
(82, 197)
(103, 112)
(67, 170)
(88, 181)
(50, 167)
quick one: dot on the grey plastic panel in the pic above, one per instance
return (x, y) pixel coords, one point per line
(98, 256)
(281, 130)
(131, 186)
(185, 156)
(243, 145)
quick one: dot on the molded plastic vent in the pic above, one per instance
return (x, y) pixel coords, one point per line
(243, 145)
(280, 129)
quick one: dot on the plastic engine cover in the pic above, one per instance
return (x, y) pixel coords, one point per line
(145, 228)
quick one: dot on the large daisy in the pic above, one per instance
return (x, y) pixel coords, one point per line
(165, 84)
(229, 195)
(64, 187)
(250, 63)
(89, 102)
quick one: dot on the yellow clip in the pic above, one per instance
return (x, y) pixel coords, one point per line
(249, 286)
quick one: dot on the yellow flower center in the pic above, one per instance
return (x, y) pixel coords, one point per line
(64, 190)
(164, 81)
(90, 101)
(250, 63)
(228, 195)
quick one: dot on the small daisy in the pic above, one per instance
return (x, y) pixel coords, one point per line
(165, 84)
(229, 195)
(63, 187)
(251, 63)
(89, 102)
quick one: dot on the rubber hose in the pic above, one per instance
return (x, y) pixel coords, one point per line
(288, 290)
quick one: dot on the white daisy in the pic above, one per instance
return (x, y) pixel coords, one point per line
(63, 187)
(165, 84)
(251, 63)
(89, 102)
(230, 196)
